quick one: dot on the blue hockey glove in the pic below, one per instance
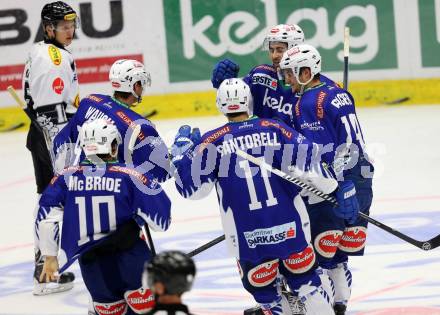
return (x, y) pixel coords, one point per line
(184, 142)
(224, 69)
(348, 206)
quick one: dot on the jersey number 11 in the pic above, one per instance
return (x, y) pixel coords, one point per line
(255, 204)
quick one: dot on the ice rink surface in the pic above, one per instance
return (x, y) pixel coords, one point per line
(392, 278)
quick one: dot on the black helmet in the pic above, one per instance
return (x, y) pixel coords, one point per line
(56, 11)
(174, 269)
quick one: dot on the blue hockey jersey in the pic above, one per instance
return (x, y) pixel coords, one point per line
(94, 201)
(262, 214)
(150, 154)
(271, 98)
(326, 115)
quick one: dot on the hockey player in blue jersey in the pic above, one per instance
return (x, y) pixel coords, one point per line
(102, 204)
(128, 79)
(263, 216)
(326, 115)
(271, 97)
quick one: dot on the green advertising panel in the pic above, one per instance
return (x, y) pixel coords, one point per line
(199, 32)
(429, 14)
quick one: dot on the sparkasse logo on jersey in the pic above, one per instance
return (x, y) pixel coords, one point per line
(273, 235)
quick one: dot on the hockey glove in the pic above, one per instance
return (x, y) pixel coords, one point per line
(348, 206)
(184, 143)
(224, 69)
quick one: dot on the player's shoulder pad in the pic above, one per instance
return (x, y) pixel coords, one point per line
(70, 170)
(212, 136)
(131, 172)
(264, 68)
(264, 75)
(131, 119)
(339, 97)
(278, 125)
(58, 56)
(95, 98)
(328, 81)
(54, 180)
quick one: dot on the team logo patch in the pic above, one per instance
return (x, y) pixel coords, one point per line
(265, 80)
(70, 17)
(212, 137)
(327, 243)
(129, 171)
(319, 105)
(116, 308)
(301, 262)
(292, 51)
(53, 180)
(128, 121)
(263, 274)
(353, 239)
(55, 55)
(76, 101)
(58, 85)
(284, 131)
(140, 301)
(272, 235)
(297, 113)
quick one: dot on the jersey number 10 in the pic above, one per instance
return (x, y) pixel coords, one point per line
(97, 228)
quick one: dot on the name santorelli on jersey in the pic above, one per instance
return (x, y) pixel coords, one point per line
(261, 139)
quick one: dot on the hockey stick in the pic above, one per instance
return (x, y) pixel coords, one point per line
(425, 245)
(34, 122)
(204, 247)
(13, 127)
(150, 114)
(346, 53)
(148, 239)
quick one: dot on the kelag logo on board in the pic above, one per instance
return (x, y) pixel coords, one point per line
(429, 15)
(199, 32)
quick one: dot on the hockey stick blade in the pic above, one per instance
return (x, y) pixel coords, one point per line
(150, 114)
(13, 127)
(425, 245)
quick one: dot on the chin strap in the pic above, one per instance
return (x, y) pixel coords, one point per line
(138, 97)
(303, 85)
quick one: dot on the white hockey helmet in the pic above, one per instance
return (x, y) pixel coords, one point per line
(97, 136)
(233, 96)
(302, 56)
(124, 73)
(291, 34)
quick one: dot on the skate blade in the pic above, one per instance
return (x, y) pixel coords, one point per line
(51, 287)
